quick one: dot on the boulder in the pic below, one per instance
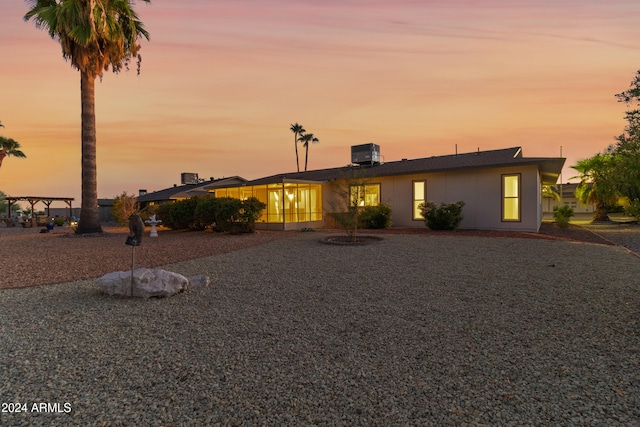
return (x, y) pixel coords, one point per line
(147, 283)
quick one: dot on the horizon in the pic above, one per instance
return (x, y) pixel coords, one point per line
(221, 84)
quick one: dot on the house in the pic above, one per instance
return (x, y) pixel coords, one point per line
(501, 189)
(191, 186)
(568, 198)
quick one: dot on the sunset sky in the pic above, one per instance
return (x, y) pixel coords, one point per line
(222, 81)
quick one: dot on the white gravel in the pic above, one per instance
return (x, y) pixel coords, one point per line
(414, 330)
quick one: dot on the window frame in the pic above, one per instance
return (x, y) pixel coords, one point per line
(419, 216)
(504, 197)
(364, 193)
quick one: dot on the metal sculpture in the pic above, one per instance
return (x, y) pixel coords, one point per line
(136, 229)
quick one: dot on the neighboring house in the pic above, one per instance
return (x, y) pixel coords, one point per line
(568, 191)
(105, 210)
(501, 189)
(185, 191)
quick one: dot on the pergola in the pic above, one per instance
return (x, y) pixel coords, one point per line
(33, 200)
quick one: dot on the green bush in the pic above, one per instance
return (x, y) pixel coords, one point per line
(561, 214)
(634, 209)
(124, 206)
(59, 221)
(180, 215)
(250, 212)
(375, 217)
(221, 214)
(205, 212)
(443, 217)
(227, 213)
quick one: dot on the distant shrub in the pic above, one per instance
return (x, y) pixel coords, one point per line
(59, 222)
(124, 206)
(443, 217)
(219, 213)
(634, 209)
(205, 211)
(227, 213)
(562, 214)
(251, 211)
(375, 216)
(180, 215)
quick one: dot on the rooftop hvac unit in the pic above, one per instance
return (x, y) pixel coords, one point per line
(188, 178)
(365, 154)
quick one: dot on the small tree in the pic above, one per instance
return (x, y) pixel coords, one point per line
(349, 191)
(124, 206)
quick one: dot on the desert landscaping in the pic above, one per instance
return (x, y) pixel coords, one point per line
(421, 328)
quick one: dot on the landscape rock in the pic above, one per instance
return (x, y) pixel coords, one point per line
(147, 283)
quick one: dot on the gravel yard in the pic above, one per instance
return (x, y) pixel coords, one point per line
(415, 330)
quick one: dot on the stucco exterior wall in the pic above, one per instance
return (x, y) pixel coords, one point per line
(480, 189)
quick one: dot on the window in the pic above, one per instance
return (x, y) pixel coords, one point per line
(365, 195)
(511, 197)
(419, 196)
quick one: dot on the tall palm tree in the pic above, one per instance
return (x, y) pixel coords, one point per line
(306, 139)
(95, 35)
(297, 130)
(10, 147)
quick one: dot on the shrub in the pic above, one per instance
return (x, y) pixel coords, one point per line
(634, 209)
(219, 213)
(124, 206)
(227, 212)
(375, 216)
(59, 222)
(205, 212)
(180, 215)
(562, 214)
(443, 217)
(250, 212)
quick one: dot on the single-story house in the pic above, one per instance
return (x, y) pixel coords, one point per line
(568, 198)
(502, 190)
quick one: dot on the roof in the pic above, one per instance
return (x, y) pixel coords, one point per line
(550, 167)
(189, 190)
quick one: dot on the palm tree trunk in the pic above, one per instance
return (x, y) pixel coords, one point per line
(3, 154)
(306, 156)
(89, 217)
(601, 213)
(297, 158)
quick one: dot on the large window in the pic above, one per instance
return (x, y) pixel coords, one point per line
(511, 197)
(419, 196)
(365, 195)
(289, 202)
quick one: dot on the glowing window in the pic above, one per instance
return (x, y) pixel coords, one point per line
(511, 197)
(365, 195)
(419, 196)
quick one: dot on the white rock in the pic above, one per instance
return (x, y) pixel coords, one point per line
(147, 283)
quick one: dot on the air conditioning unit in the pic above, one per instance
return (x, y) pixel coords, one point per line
(365, 154)
(188, 178)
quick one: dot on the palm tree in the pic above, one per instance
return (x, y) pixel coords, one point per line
(10, 147)
(94, 35)
(598, 184)
(297, 130)
(306, 139)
